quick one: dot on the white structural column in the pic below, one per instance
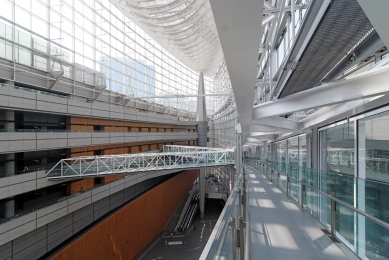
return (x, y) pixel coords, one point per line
(377, 12)
(239, 25)
(238, 150)
(201, 118)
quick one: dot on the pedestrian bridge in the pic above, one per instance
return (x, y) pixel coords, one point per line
(170, 157)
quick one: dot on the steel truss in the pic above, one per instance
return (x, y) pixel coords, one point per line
(171, 157)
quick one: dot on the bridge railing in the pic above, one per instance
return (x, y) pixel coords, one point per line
(171, 158)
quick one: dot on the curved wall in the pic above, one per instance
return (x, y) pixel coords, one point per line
(124, 234)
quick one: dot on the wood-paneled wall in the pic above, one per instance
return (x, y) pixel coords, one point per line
(87, 124)
(79, 186)
(124, 234)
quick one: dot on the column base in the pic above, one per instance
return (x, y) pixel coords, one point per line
(202, 214)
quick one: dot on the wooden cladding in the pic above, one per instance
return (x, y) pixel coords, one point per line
(124, 234)
(134, 147)
(89, 124)
(79, 186)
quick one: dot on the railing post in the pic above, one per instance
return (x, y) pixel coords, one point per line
(333, 209)
(244, 196)
(234, 238)
(240, 201)
(287, 185)
(302, 188)
(242, 226)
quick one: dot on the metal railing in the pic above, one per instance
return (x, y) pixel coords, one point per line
(68, 96)
(334, 200)
(90, 166)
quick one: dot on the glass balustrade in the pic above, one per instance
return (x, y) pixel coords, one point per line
(352, 209)
(230, 238)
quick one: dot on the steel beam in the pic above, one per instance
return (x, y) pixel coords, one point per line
(337, 112)
(278, 122)
(270, 129)
(285, 9)
(363, 85)
(262, 138)
(57, 76)
(240, 44)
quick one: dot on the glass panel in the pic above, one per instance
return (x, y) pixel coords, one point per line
(337, 149)
(376, 240)
(293, 151)
(23, 38)
(344, 219)
(5, 50)
(374, 147)
(280, 149)
(23, 56)
(5, 31)
(294, 189)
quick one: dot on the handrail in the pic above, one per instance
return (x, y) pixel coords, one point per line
(370, 217)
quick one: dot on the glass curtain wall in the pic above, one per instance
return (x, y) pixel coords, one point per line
(353, 163)
(281, 152)
(373, 196)
(337, 149)
(373, 137)
(337, 145)
(225, 117)
(293, 159)
(93, 37)
(339, 158)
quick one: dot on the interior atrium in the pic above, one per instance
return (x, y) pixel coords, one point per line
(194, 129)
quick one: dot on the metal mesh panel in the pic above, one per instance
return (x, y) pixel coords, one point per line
(342, 27)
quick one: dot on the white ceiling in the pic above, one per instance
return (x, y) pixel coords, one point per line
(185, 28)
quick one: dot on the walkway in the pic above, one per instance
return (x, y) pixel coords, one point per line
(170, 157)
(281, 230)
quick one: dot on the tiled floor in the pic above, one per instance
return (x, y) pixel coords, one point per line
(281, 230)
